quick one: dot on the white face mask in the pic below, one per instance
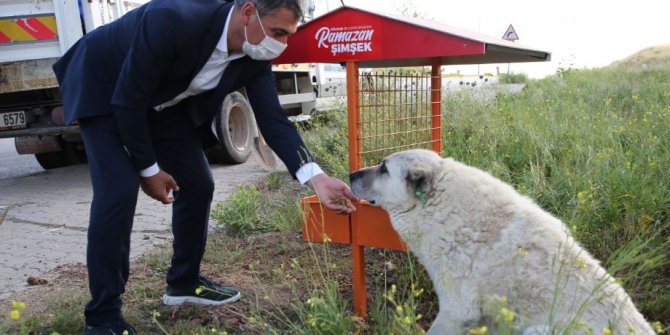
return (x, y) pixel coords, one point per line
(267, 49)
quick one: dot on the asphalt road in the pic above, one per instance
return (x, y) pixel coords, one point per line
(13, 164)
(46, 215)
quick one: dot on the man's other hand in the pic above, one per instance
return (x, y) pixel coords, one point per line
(333, 193)
(159, 187)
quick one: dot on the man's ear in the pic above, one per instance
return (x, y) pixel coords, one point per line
(248, 9)
(420, 178)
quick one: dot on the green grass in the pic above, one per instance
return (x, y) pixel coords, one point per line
(70, 315)
(242, 214)
(326, 138)
(274, 181)
(239, 215)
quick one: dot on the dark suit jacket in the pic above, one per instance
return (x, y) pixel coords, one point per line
(149, 56)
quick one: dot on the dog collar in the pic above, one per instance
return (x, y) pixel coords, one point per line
(421, 196)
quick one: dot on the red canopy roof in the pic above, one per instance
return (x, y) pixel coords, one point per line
(382, 40)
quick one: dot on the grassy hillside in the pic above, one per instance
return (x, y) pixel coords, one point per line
(652, 57)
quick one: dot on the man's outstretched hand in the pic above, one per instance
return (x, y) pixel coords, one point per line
(159, 187)
(333, 193)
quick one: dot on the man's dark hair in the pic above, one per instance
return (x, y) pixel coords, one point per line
(266, 7)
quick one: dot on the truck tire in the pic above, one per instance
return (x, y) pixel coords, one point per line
(50, 160)
(70, 155)
(235, 129)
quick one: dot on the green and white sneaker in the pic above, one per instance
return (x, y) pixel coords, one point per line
(206, 292)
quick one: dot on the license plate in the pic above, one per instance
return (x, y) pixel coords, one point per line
(13, 120)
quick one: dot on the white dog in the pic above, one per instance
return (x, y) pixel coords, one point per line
(478, 238)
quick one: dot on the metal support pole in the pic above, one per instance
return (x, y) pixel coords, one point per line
(357, 250)
(358, 274)
(436, 106)
(354, 116)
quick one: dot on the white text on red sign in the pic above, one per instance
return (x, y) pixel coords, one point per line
(345, 39)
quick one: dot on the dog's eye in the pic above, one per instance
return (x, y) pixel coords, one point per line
(382, 168)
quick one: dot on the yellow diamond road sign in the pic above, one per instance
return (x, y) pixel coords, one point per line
(510, 34)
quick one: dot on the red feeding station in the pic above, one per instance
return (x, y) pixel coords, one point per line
(388, 111)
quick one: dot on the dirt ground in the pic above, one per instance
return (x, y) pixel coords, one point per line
(260, 268)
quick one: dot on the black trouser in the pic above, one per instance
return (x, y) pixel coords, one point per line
(115, 188)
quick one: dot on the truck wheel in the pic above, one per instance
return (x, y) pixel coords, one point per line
(50, 160)
(235, 129)
(70, 155)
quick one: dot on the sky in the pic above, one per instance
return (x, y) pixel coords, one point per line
(578, 33)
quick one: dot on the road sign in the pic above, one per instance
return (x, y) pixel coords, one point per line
(510, 34)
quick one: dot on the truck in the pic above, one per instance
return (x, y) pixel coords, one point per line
(330, 85)
(35, 33)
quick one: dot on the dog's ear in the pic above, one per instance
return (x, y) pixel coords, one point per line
(420, 178)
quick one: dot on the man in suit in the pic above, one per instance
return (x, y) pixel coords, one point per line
(144, 90)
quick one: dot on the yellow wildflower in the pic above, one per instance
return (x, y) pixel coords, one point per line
(607, 331)
(15, 314)
(295, 263)
(390, 296)
(522, 252)
(581, 196)
(658, 327)
(18, 305)
(311, 320)
(507, 315)
(581, 263)
(417, 292)
(198, 290)
(478, 330)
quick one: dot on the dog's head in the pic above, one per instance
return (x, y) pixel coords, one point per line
(400, 181)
